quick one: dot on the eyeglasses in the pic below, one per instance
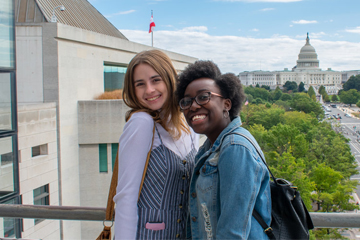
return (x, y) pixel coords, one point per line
(200, 99)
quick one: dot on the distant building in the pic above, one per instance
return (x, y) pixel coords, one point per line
(347, 74)
(307, 70)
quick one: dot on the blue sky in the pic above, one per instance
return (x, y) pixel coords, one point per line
(244, 35)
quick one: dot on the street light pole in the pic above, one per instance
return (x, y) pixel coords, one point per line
(53, 17)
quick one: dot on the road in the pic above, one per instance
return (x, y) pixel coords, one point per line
(349, 127)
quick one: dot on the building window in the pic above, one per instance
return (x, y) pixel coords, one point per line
(103, 162)
(114, 149)
(6, 115)
(39, 150)
(6, 159)
(41, 197)
(113, 77)
(7, 167)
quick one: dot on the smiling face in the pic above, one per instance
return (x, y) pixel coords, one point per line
(209, 118)
(150, 88)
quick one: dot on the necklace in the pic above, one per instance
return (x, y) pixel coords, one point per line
(183, 158)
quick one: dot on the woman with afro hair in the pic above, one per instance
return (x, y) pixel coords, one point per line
(229, 179)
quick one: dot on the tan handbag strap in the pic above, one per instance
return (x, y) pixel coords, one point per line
(112, 191)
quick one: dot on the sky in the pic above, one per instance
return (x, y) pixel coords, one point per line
(244, 35)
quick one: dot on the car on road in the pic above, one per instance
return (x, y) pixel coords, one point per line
(347, 115)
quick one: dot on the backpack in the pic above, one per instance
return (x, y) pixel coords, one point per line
(289, 217)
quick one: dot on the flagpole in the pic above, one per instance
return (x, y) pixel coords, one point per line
(152, 32)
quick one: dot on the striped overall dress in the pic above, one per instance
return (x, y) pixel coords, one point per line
(164, 196)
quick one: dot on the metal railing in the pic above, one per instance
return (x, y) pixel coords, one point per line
(320, 220)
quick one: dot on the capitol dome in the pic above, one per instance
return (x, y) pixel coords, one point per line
(307, 57)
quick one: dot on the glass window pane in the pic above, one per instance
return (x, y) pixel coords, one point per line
(5, 102)
(113, 77)
(7, 43)
(114, 149)
(103, 158)
(9, 224)
(6, 166)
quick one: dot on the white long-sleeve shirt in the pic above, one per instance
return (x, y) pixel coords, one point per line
(134, 145)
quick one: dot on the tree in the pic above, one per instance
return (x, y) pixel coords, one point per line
(277, 94)
(334, 98)
(322, 90)
(327, 98)
(283, 104)
(249, 97)
(301, 87)
(311, 91)
(350, 97)
(291, 86)
(352, 83)
(285, 97)
(358, 104)
(266, 87)
(267, 117)
(302, 102)
(257, 85)
(308, 153)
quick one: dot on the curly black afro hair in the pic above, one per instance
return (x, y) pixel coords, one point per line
(229, 85)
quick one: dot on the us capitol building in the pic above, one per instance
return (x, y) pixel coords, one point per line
(306, 70)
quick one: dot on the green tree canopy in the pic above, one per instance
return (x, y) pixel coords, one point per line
(277, 94)
(334, 98)
(307, 152)
(260, 114)
(322, 90)
(311, 91)
(358, 104)
(352, 83)
(302, 102)
(290, 86)
(261, 93)
(326, 98)
(350, 97)
(285, 97)
(301, 87)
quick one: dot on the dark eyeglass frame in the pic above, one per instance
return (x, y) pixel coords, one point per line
(195, 98)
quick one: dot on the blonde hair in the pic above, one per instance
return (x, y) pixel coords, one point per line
(170, 112)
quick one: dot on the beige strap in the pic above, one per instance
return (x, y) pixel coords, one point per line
(112, 191)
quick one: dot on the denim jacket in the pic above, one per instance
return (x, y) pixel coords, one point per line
(228, 182)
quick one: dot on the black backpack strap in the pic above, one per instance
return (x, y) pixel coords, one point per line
(267, 229)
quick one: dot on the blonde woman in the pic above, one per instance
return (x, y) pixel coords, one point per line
(160, 212)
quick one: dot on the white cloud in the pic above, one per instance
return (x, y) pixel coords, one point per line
(291, 25)
(120, 13)
(195, 29)
(252, 1)
(255, 30)
(317, 35)
(304, 22)
(267, 9)
(236, 54)
(354, 30)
